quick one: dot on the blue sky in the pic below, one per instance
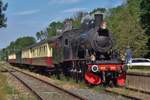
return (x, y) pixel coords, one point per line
(26, 17)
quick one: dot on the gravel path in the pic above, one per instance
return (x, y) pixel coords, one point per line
(22, 91)
(90, 95)
(45, 91)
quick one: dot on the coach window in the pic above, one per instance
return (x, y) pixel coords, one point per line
(37, 51)
(27, 54)
(32, 52)
(43, 50)
(66, 42)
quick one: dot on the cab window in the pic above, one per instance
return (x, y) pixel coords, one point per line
(66, 42)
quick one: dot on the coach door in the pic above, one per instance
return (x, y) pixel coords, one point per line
(67, 49)
(18, 57)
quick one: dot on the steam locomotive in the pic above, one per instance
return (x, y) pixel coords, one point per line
(82, 54)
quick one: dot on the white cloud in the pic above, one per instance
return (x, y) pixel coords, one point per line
(63, 1)
(27, 12)
(72, 10)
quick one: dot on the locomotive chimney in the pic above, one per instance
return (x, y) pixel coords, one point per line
(98, 19)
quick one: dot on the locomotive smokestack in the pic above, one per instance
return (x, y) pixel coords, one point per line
(98, 19)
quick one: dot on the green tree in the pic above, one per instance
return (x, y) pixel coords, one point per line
(125, 25)
(79, 15)
(20, 43)
(145, 15)
(101, 10)
(42, 35)
(145, 20)
(53, 27)
(16, 46)
(3, 18)
(51, 30)
(24, 42)
(38, 36)
(77, 19)
(3, 54)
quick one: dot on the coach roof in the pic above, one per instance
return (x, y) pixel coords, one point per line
(44, 41)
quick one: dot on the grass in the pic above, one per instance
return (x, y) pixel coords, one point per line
(8, 92)
(70, 81)
(3, 95)
(140, 67)
(145, 69)
(5, 88)
(80, 84)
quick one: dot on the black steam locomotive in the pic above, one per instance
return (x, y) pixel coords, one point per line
(84, 53)
(88, 53)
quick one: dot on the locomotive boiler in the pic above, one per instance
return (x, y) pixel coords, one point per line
(92, 40)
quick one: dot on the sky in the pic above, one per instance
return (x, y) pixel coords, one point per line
(26, 17)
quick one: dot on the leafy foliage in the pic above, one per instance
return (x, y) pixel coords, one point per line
(145, 20)
(51, 30)
(23, 42)
(16, 46)
(3, 54)
(3, 19)
(41, 35)
(125, 25)
(77, 19)
(145, 15)
(102, 10)
(53, 27)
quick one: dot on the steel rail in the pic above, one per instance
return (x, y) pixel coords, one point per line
(27, 86)
(48, 83)
(129, 88)
(126, 96)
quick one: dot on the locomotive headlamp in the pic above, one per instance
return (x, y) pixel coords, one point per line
(93, 58)
(95, 68)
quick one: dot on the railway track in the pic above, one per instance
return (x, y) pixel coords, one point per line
(41, 89)
(128, 92)
(137, 87)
